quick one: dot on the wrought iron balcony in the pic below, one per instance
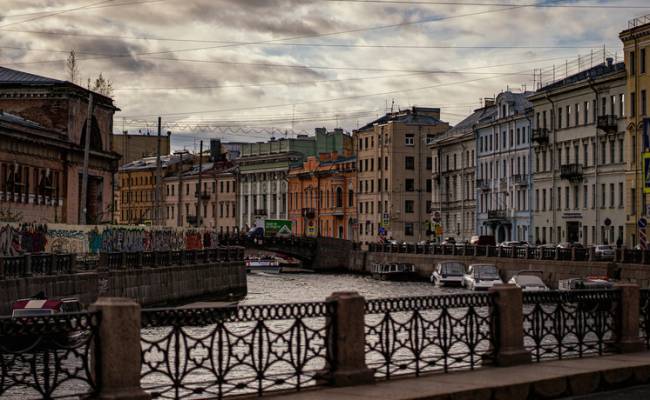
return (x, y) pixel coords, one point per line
(607, 123)
(202, 195)
(520, 179)
(571, 172)
(483, 184)
(260, 212)
(540, 135)
(497, 215)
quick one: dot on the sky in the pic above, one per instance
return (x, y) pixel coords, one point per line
(247, 70)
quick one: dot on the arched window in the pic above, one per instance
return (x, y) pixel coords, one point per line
(339, 197)
(95, 136)
(350, 197)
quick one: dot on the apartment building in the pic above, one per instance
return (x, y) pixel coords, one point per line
(321, 196)
(579, 158)
(394, 182)
(454, 175)
(263, 171)
(636, 45)
(503, 185)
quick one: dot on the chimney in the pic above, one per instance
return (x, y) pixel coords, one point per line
(488, 101)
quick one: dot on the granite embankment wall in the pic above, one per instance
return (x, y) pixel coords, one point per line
(360, 262)
(148, 286)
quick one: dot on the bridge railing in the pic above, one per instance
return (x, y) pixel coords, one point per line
(644, 320)
(42, 264)
(623, 255)
(229, 351)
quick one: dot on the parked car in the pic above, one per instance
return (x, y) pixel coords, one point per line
(462, 243)
(511, 243)
(604, 252)
(590, 282)
(570, 245)
(481, 277)
(482, 240)
(448, 273)
(449, 241)
(529, 281)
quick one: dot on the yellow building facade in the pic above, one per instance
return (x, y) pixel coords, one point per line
(636, 44)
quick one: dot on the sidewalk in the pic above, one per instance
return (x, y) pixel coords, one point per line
(550, 379)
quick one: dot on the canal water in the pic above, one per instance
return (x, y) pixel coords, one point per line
(292, 288)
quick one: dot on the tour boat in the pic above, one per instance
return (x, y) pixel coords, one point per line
(448, 273)
(263, 264)
(393, 272)
(589, 282)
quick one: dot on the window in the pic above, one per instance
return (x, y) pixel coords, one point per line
(559, 118)
(429, 163)
(585, 196)
(585, 159)
(603, 108)
(559, 198)
(586, 113)
(632, 104)
(408, 206)
(408, 229)
(429, 185)
(409, 140)
(621, 105)
(568, 116)
(409, 185)
(566, 198)
(603, 194)
(621, 150)
(642, 61)
(632, 63)
(620, 195)
(643, 103)
(409, 163)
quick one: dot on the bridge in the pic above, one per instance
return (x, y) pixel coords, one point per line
(500, 344)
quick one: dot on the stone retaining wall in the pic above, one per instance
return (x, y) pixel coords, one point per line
(360, 262)
(148, 286)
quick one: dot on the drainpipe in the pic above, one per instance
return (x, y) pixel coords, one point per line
(553, 149)
(597, 223)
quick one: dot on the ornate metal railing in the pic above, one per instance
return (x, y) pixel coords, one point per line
(644, 323)
(219, 352)
(414, 335)
(570, 324)
(47, 357)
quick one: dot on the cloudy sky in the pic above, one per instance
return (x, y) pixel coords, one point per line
(243, 69)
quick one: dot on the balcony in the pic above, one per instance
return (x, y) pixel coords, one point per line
(607, 123)
(497, 215)
(308, 212)
(540, 135)
(202, 195)
(571, 172)
(483, 184)
(520, 179)
(260, 212)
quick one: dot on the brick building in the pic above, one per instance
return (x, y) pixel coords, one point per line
(321, 196)
(43, 129)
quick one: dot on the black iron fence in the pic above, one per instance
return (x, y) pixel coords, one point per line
(230, 351)
(644, 317)
(37, 264)
(47, 357)
(255, 350)
(424, 334)
(622, 255)
(562, 324)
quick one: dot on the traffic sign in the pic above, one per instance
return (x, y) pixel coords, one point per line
(643, 223)
(436, 216)
(608, 222)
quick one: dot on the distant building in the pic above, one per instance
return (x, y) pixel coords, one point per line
(263, 168)
(579, 163)
(42, 140)
(321, 196)
(454, 168)
(504, 180)
(133, 147)
(636, 46)
(394, 167)
(137, 188)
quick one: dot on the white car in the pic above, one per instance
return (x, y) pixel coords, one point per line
(529, 281)
(604, 252)
(481, 277)
(448, 273)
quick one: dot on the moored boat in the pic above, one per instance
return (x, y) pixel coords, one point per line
(393, 272)
(263, 264)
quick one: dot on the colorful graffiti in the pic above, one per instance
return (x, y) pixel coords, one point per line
(28, 238)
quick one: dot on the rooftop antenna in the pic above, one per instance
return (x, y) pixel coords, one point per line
(591, 59)
(534, 77)
(392, 105)
(604, 54)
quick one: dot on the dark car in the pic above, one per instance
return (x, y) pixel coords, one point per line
(483, 240)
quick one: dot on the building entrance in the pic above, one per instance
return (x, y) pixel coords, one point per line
(572, 231)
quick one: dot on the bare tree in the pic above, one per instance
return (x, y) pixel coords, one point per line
(72, 67)
(103, 86)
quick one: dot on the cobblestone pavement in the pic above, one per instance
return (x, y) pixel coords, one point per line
(632, 393)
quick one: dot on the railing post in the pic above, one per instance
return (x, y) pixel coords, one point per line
(347, 341)
(592, 254)
(628, 315)
(508, 326)
(28, 264)
(117, 365)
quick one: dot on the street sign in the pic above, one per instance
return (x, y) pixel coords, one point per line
(608, 222)
(643, 223)
(436, 216)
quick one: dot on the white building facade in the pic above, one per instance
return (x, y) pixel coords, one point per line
(503, 184)
(579, 165)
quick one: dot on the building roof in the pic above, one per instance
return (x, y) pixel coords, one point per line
(408, 116)
(8, 75)
(598, 71)
(150, 163)
(466, 126)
